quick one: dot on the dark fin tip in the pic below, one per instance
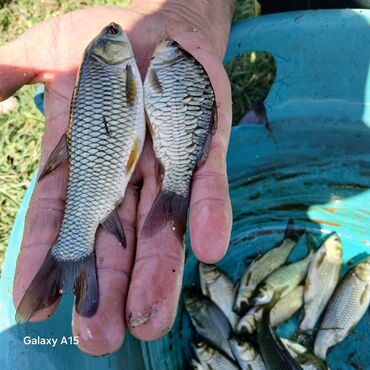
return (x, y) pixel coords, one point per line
(167, 207)
(292, 233)
(43, 291)
(113, 224)
(86, 287)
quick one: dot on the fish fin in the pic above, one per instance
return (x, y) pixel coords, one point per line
(207, 144)
(56, 158)
(57, 277)
(365, 295)
(168, 206)
(113, 224)
(154, 80)
(134, 156)
(44, 290)
(131, 87)
(291, 232)
(86, 287)
(320, 260)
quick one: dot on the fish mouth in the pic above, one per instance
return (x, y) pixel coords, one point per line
(113, 29)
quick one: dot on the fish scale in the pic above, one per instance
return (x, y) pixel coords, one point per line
(102, 145)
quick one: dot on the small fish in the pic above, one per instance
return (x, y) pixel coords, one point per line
(284, 279)
(273, 351)
(102, 145)
(284, 309)
(209, 321)
(247, 356)
(264, 266)
(348, 304)
(180, 105)
(195, 365)
(214, 359)
(321, 280)
(216, 285)
(304, 357)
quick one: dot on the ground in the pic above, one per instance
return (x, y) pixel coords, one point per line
(20, 131)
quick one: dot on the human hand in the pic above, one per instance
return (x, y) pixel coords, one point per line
(140, 285)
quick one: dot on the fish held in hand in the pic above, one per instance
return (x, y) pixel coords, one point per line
(347, 306)
(219, 288)
(264, 266)
(180, 106)
(102, 146)
(321, 280)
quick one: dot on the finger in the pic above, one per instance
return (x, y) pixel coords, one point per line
(46, 208)
(156, 278)
(104, 332)
(210, 208)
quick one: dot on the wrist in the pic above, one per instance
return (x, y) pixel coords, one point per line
(210, 19)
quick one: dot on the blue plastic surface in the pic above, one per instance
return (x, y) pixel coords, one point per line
(314, 168)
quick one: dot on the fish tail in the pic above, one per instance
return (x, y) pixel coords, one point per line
(291, 232)
(57, 277)
(167, 207)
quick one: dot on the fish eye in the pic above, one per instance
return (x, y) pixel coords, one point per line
(112, 29)
(172, 43)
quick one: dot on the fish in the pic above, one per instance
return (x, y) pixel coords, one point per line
(195, 365)
(285, 279)
(181, 109)
(304, 357)
(284, 309)
(345, 309)
(246, 355)
(322, 278)
(263, 266)
(102, 146)
(209, 321)
(216, 285)
(214, 359)
(273, 351)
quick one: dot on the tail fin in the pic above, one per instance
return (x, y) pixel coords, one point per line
(167, 207)
(57, 277)
(291, 232)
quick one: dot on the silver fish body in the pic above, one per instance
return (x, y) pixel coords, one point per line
(210, 356)
(219, 288)
(321, 280)
(284, 279)
(264, 266)
(347, 306)
(102, 145)
(247, 356)
(180, 105)
(209, 321)
(283, 310)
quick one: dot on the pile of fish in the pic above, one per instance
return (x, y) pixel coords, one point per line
(234, 323)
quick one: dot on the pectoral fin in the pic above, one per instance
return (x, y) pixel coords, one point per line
(56, 158)
(113, 224)
(134, 156)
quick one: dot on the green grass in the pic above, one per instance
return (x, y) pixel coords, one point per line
(20, 132)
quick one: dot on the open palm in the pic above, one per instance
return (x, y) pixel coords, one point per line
(140, 285)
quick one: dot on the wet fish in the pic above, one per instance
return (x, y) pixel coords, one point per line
(214, 359)
(284, 279)
(284, 309)
(345, 309)
(195, 365)
(273, 351)
(180, 105)
(209, 321)
(102, 145)
(304, 357)
(264, 266)
(247, 356)
(321, 280)
(216, 285)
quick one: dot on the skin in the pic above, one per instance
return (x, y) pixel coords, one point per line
(139, 286)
